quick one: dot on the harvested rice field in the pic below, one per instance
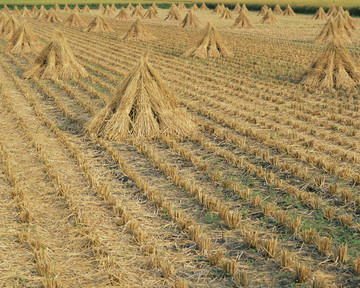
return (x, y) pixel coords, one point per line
(148, 147)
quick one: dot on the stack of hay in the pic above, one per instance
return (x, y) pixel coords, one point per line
(25, 12)
(74, 20)
(227, 14)
(269, 18)
(137, 12)
(289, 11)
(218, 10)
(86, 9)
(203, 7)
(99, 24)
(122, 14)
(277, 10)
(10, 27)
(242, 21)
(333, 69)
(320, 14)
(181, 6)
(174, 13)
(138, 31)
(56, 61)
(194, 7)
(263, 10)
(150, 13)
(52, 17)
(67, 8)
(190, 20)
(142, 108)
(211, 45)
(108, 11)
(24, 41)
(237, 8)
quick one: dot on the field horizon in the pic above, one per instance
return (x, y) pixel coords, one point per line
(295, 3)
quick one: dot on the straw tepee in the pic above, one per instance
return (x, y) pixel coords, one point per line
(242, 21)
(211, 45)
(289, 11)
(277, 10)
(334, 68)
(10, 27)
(150, 13)
(74, 20)
(56, 61)
(99, 24)
(174, 13)
(24, 41)
(122, 14)
(190, 20)
(320, 14)
(142, 108)
(227, 14)
(138, 31)
(269, 18)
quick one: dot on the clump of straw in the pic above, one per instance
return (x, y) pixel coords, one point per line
(227, 14)
(269, 18)
(74, 20)
(138, 31)
(174, 13)
(122, 14)
(99, 24)
(56, 61)
(242, 21)
(143, 108)
(190, 20)
(320, 14)
(289, 11)
(10, 28)
(211, 45)
(334, 68)
(24, 41)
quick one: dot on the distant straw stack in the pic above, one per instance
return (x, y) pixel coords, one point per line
(331, 31)
(226, 14)
(211, 45)
(203, 7)
(263, 10)
(278, 10)
(56, 61)
(10, 27)
(67, 8)
(174, 13)
(108, 11)
(53, 17)
(269, 18)
(150, 13)
(320, 14)
(218, 10)
(137, 12)
(122, 14)
(143, 108)
(333, 69)
(86, 9)
(74, 20)
(289, 11)
(190, 20)
(242, 21)
(99, 24)
(137, 32)
(24, 41)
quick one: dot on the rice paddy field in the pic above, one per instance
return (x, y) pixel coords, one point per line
(264, 191)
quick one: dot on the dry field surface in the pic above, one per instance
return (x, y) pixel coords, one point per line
(267, 194)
